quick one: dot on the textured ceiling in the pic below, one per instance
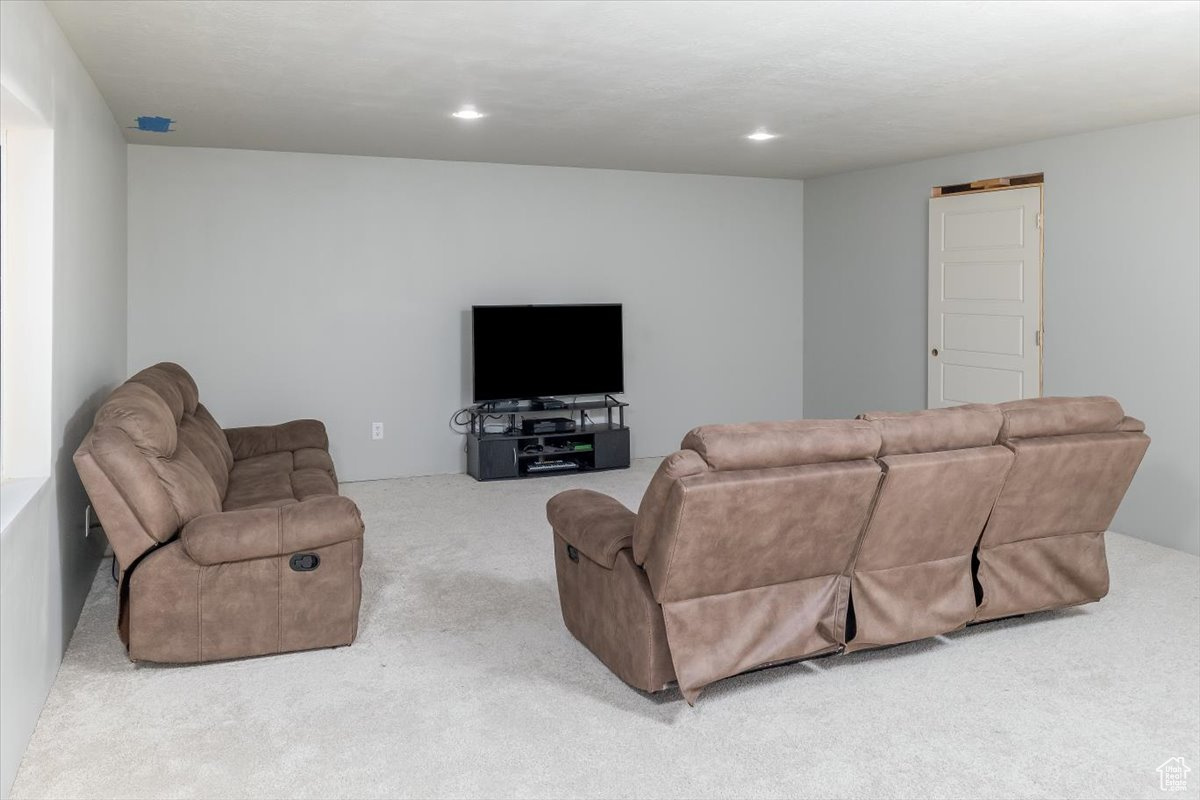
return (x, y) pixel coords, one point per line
(664, 86)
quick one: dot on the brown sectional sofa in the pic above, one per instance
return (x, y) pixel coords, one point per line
(765, 543)
(230, 543)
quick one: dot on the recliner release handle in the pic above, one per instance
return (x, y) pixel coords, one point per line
(572, 553)
(304, 562)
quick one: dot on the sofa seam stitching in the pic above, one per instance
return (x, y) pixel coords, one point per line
(649, 630)
(675, 541)
(279, 590)
(1047, 536)
(916, 564)
(981, 598)
(352, 617)
(852, 567)
(839, 574)
(200, 614)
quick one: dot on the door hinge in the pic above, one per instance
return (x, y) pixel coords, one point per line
(1037, 338)
(1040, 220)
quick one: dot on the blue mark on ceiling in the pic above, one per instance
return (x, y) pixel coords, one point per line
(154, 124)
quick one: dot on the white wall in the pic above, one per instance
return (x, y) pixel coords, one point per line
(47, 565)
(27, 289)
(338, 287)
(1122, 284)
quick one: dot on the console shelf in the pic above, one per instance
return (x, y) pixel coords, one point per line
(590, 447)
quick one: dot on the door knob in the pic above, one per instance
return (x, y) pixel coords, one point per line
(934, 352)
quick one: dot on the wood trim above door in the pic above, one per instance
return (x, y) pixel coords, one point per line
(989, 184)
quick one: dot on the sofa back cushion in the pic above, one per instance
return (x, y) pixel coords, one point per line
(936, 430)
(794, 443)
(1074, 461)
(746, 536)
(1060, 416)
(201, 434)
(942, 474)
(751, 505)
(153, 460)
(759, 477)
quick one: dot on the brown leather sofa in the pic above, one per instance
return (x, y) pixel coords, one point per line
(766, 543)
(230, 543)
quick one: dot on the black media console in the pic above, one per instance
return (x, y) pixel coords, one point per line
(593, 445)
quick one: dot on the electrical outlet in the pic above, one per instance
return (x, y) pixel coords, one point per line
(376, 430)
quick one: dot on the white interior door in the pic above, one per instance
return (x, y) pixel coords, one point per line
(985, 297)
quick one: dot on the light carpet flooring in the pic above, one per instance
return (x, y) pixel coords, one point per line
(464, 683)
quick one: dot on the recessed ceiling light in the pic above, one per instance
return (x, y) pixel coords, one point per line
(761, 136)
(468, 112)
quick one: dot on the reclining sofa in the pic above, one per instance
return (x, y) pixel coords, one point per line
(771, 542)
(229, 543)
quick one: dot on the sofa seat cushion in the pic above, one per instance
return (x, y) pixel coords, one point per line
(278, 479)
(308, 483)
(259, 480)
(313, 458)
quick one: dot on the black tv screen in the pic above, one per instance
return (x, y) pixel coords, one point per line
(524, 352)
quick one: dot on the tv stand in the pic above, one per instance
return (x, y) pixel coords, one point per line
(593, 445)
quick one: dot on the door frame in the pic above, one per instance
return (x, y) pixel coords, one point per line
(1027, 181)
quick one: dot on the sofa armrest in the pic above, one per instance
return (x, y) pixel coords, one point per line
(594, 524)
(267, 532)
(1132, 425)
(260, 440)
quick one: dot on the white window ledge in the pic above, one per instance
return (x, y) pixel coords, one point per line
(15, 494)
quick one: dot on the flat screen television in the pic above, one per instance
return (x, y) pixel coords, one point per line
(525, 352)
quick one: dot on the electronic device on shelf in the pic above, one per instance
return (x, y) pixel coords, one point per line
(547, 425)
(510, 406)
(536, 425)
(554, 465)
(501, 406)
